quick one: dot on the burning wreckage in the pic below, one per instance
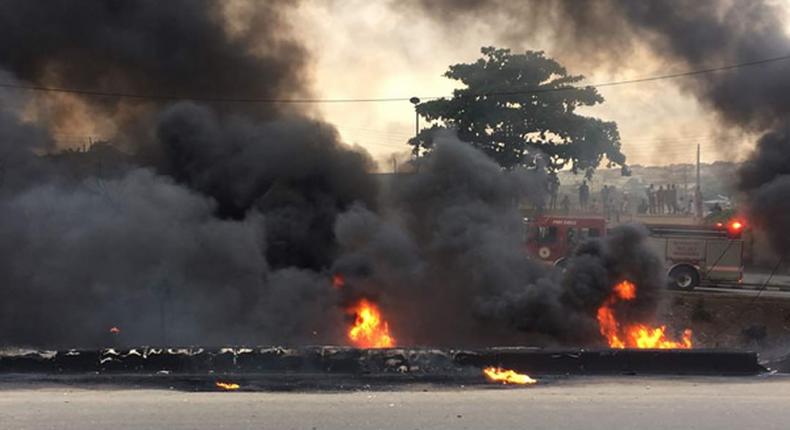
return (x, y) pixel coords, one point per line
(252, 224)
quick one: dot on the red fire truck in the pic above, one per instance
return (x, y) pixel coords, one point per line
(692, 255)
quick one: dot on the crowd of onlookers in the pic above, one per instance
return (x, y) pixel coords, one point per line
(662, 200)
(613, 202)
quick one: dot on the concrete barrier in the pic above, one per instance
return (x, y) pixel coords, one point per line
(345, 360)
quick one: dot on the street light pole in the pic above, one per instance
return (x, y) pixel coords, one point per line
(415, 101)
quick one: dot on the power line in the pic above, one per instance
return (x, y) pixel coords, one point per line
(670, 138)
(693, 72)
(636, 80)
(267, 100)
(376, 131)
(169, 97)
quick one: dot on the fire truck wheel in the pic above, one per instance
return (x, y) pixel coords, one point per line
(683, 278)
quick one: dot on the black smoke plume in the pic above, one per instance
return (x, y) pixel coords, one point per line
(179, 49)
(229, 219)
(446, 259)
(293, 170)
(221, 227)
(765, 179)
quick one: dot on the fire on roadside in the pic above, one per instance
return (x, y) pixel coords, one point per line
(634, 335)
(507, 376)
(227, 386)
(369, 330)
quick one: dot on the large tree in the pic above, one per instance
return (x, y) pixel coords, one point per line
(516, 106)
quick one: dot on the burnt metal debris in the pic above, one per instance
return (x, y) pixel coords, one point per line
(404, 361)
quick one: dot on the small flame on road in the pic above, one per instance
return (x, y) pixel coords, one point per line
(227, 386)
(641, 336)
(506, 376)
(370, 330)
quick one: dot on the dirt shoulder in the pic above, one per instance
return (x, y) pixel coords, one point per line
(749, 322)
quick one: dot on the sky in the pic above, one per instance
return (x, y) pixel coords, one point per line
(366, 49)
(376, 49)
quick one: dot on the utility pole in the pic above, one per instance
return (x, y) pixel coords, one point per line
(698, 165)
(698, 191)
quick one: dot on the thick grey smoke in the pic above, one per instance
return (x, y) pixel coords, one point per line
(180, 48)
(223, 230)
(19, 167)
(148, 256)
(765, 179)
(81, 259)
(445, 259)
(292, 169)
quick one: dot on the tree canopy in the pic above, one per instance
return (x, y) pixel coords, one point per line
(517, 106)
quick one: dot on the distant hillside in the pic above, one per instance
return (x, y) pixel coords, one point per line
(101, 159)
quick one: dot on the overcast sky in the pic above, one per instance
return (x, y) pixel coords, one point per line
(368, 49)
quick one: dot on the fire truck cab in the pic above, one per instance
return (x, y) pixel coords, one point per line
(552, 238)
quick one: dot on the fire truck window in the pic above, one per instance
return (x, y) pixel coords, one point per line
(571, 236)
(532, 234)
(547, 234)
(594, 232)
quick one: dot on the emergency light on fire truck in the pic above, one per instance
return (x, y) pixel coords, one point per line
(734, 227)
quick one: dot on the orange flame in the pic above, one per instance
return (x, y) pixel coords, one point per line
(640, 336)
(369, 329)
(230, 386)
(506, 376)
(625, 290)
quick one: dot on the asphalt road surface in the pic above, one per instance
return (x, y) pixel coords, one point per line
(735, 292)
(582, 403)
(755, 284)
(758, 280)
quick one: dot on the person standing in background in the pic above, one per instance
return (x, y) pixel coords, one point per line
(660, 199)
(615, 203)
(584, 195)
(669, 203)
(554, 187)
(651, 200)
